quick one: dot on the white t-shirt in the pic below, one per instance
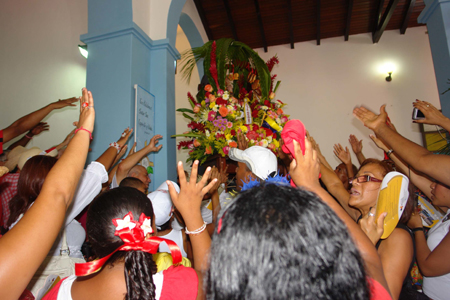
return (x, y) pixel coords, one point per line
(437, 288)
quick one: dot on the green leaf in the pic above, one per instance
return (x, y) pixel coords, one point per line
(223, 60)
(187, 135)
(276, 86)
(188, 117)
(186, 109)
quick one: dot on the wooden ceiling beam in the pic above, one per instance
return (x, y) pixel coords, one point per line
(377, 16)
(291, 28)
(407, 16)
(384, 20)
(261, 27)
(318, 23)
(349, 18)
(202, 16)
(230, 19)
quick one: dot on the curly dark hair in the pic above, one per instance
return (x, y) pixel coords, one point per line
(277, 242)
(139, 265)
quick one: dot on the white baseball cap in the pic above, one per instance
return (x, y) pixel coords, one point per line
(162, 203)
(261, 161)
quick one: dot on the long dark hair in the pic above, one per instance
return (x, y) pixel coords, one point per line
(139, 265)
(277, 242)
(31, 180)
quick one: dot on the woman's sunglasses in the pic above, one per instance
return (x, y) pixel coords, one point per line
(364, 178)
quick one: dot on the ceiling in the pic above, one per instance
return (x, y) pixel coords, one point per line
(264, 23)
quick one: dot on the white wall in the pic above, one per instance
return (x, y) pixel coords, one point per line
(322, 84)
(40, 61)
(181, 90)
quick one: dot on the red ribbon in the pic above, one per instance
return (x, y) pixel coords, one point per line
(134, 239)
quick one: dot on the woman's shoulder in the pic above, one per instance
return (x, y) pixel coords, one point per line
(398, 239)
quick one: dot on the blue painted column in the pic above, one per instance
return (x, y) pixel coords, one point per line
(120, 56)
(436, 15)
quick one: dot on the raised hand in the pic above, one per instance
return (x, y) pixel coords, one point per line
(380, 144)
(125, 136)
(355, 143)
(87, 112)
(305, 169)
(242, 141)
(432, 115)
(65, 102)
(153, 142)
(374, 229)
(369, 119)
(343, 155)
(42, 126)
(416, 220)
(191, 193)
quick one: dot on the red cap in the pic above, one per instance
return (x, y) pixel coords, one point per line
(293, 130)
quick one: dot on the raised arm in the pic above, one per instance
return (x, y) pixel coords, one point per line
(108, 157)
(357, 148)
(344, 156)
(42, 126)
(31, 120)
(431, 263)
(305, 172)
(434, 165)
(432, 115)
(129, 162)
(25, 246)
(188, 203)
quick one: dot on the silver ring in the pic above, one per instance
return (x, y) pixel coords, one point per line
(428, 105)
(371, 214)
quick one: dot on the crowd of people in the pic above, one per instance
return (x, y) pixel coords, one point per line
(288, 227)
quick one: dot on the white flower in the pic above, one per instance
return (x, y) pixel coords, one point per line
(226, 95)
(204, 115)
(264, 143)
(126, 222)
(207, 133)
(230, 107)
(278, 120)
(147, 226)
(264, 107)
(269, 139)
(215, 108)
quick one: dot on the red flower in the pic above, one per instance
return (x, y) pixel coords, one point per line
(220, 136)
(255, 127)
(274, 136)
(255, 114)
(251, 135)
(184, 144)
(268, 131)
(220, 101)
(196, 126)
(267, 103)
(207, 94)
(233, 132)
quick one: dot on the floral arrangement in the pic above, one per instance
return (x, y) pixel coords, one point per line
(241, 104)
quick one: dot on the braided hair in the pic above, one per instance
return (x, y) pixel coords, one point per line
(139, 265)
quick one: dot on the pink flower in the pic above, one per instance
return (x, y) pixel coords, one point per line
(229, 124)
(271, 146)
(234, 100)
(212, 97)
(196, 109)
(191, 146)
(211, 116)
(284, 119)
(196, 143)
(220, 92)
(226, 150)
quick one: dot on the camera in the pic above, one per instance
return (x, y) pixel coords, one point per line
(417, 114)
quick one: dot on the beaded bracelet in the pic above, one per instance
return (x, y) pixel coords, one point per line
(389, 152)
(81, 128)
(197, 231)
(115, 145)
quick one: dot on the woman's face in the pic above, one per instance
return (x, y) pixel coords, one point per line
(440, 194)
(364, 195)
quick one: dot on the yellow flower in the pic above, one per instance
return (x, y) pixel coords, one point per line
(228, 136)
(276, 143)
(212, 104)
(244, 129)
(203, 103)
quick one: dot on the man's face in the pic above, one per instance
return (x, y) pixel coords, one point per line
(141, 174)
(242, 175)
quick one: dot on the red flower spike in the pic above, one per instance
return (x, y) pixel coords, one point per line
(192, 98)
(213, 67)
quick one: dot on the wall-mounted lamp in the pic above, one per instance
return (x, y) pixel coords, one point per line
(389, 78)
(83, 50)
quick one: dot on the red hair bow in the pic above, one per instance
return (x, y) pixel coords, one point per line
(133, 234)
